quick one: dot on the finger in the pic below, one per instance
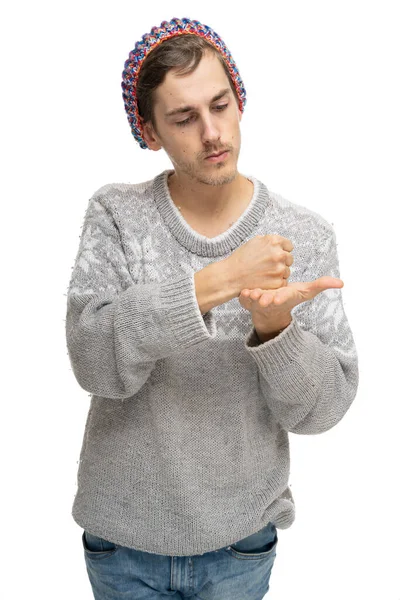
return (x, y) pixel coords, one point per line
(256, 293)
(245, 302)
(289, 259)
(283, 295)
(324, 283)
(286, 244)
(265, 299)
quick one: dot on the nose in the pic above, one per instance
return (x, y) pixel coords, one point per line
(210, 131)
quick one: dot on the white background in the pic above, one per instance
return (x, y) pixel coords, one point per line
(320, 127)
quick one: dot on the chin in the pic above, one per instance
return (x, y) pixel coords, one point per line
(220, 176)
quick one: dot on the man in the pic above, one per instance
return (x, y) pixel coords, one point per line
(199, 354)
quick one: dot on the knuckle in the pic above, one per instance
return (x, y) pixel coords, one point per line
(280, 257)
(281, 269)
(283, 257)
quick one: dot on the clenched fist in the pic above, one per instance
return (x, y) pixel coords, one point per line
(262, 262)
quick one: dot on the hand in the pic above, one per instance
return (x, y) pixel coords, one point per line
(262, 262)
(271, 309)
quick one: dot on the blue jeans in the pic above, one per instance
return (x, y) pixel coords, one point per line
(237, 572)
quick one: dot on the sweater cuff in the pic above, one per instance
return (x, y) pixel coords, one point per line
(280, 352)
(178, 300)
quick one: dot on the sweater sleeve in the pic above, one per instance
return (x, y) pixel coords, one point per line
(117, 328)
(309, 372)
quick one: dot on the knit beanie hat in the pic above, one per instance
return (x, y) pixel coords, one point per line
(151, 40)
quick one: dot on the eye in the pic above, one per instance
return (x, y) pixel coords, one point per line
(219, 108)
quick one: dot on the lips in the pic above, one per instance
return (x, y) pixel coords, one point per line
(217, 153)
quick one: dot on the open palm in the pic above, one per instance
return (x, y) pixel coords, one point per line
(270, 309)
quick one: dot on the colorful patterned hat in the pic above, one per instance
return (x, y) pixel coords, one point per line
(151, 40)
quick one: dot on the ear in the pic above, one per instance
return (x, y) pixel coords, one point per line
(149, 136)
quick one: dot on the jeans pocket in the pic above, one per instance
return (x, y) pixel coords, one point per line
(261, 544)
(97, 547)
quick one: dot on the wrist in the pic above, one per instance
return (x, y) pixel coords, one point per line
(265, 336)
(213, 286)
(231, 284)
(224, 272)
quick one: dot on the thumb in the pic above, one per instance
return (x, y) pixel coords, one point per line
(324, 283)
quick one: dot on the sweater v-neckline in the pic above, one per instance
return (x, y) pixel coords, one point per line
(200, 244)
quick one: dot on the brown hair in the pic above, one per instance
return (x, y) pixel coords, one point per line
(181, 52)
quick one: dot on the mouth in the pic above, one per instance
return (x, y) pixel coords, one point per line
(221, 157)
(217, 154)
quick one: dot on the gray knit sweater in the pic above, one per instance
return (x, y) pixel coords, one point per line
(186, 445)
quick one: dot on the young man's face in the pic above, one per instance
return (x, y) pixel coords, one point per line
(210, 126)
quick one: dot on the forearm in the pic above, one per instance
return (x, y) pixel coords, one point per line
(214, 286)
(265, 337)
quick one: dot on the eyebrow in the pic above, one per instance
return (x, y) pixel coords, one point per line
(184, 109)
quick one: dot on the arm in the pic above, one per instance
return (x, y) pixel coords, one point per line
(309, 371)
(116, 329)
(213, 286)
(265, 337)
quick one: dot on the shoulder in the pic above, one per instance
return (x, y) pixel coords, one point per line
(112, 194)
(312, 235)
(114, 204)
(301, 217)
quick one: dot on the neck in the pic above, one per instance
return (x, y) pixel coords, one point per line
(207, 200)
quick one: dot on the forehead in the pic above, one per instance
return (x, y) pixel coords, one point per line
(199, 87)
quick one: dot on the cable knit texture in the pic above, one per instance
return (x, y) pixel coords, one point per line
(186, 446)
